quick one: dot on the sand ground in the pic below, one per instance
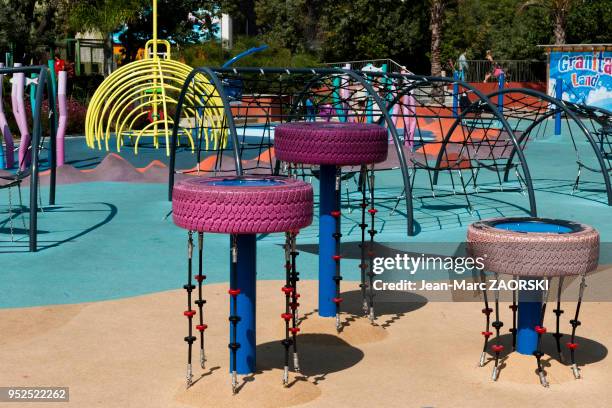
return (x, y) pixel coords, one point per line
(131, 353)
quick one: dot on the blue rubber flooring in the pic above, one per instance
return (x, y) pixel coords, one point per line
(108, 240)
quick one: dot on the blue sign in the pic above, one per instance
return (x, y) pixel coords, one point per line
(586, 77)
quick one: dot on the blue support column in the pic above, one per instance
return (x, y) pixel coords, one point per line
(246, 282)
(501, 82)
(2, 164)
(529, 314)
(327, 243)
(559, 96)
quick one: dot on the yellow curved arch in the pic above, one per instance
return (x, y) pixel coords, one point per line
(151, 83)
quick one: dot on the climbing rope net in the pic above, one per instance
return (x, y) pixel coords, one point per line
(533, 115)
(440, 127)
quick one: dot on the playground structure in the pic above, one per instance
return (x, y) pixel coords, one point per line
(332, 146)
(533, 115)
(430, 132)
(243, 207)
(31, 141)
(532, 249)
(138, 100)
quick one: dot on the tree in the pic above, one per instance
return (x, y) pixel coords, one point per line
(173, 24)
(30, 26)
(436, 9)
(105, 16)
(364, 29)
(559, 10)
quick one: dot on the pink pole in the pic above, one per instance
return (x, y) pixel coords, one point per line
(5, 131)
(20, 117)
(409, 109)
(345, 95)
(62, 79)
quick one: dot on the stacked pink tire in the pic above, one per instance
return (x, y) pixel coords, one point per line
(229, 205)
(243, 207)
(330, 143)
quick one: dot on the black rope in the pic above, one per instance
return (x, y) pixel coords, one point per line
(363, 175)
(234, 318)
(572, 345)
(372, 231)
(540, 330)
(287, 289)
(337, 235)
(497, 325)
(294, 278)
(201, 302)
(514, 308)
(558, 312)
(487, 312)
(189, 313)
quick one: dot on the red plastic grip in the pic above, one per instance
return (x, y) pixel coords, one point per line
(497, 348)
(189, 313)
(234, 292)
(201, 327)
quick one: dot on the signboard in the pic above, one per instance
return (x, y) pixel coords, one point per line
(586, 77)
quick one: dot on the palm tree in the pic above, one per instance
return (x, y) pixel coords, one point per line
(558, 9)
(436, 8)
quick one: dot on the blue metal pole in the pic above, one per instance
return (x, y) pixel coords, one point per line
(455, 93)
(246, 53)
(559, 96)
(501, 80)
(327, 243)
(246, 282)
(2, 164)
(529, 315)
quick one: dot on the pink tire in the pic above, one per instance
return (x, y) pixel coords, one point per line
(330, 143)
(574, 250)
(242, 205)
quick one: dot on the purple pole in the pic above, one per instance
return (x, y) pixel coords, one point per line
(20, 117)
(62, 79)
(5, 131)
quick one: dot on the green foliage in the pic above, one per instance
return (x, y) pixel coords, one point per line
(480, 25)
(29, 27)
(590, 22)
(103, 15)
(211, 54)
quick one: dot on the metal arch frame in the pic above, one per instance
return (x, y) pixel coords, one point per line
(570, 110)
(212, 74)
(177, 116)
(419, 80)
(41, 70)
(493, 109)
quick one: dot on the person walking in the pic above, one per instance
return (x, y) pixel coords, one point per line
(489, 58)
(462, 66)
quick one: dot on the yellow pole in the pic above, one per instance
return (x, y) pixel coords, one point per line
(155, 28)
(155, 113)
